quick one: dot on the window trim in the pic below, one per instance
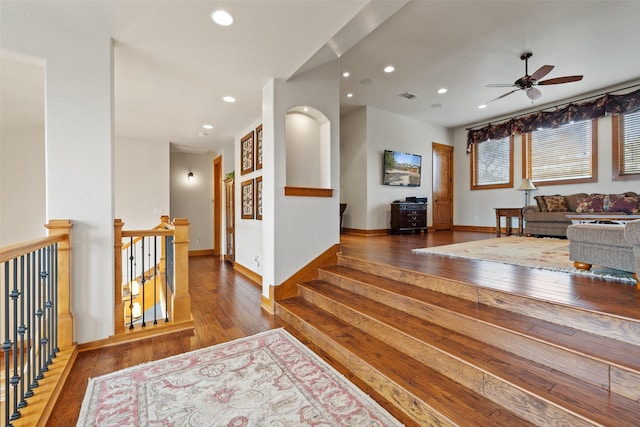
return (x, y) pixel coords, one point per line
(616, 140)
(526, 163)
(473, 159)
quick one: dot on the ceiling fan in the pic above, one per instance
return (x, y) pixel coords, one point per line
(528, 82)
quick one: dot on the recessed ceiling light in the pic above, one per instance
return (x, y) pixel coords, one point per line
(389, 69)
(229, 99)
(442, 90)
(222, 17)
(482, 106)
(349, 95)
(346, 74)
(207, 126)
(306, 109)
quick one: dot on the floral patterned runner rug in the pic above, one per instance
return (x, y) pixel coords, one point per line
(269, 379)
(542, 253)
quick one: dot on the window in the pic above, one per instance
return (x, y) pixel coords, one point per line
(492, 164)
(564, 155)
(626, 146)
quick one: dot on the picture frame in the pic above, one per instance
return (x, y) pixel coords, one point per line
(259, 198)
(246, 153)
(247, 194)
(259, 147)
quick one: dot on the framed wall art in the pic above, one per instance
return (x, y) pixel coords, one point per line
(247, 191)
(259, 147)
(259, 197)
(246, 153)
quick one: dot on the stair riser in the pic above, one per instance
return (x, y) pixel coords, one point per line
(576, 365)
(408, 403)
(526, 405)
(625, 330)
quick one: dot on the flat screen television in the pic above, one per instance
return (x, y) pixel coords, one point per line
(401, 169)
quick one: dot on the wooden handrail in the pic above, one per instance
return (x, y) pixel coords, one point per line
(13, 251)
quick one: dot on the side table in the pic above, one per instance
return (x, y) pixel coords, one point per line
(508, 213)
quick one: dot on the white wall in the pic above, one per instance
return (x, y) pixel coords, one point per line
(249, 232)
(141, 182)
(384, 131)
(477, 207)
(305, 151)
(79, 155)
(298, 229)
(194, 200)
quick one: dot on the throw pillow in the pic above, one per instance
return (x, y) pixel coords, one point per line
(542, 205)
(590, 204)
(618, 203)
(556, 204)
(572, 200)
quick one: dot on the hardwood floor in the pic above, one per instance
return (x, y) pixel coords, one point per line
(226, 305)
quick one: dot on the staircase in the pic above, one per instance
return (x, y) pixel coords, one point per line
(445, 352)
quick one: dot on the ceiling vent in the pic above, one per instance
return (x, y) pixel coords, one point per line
(408, 95)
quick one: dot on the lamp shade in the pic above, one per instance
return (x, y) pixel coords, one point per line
(527, 184)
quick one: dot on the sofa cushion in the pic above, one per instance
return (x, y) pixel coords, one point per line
(591, 203)
(556, 204)
(573, 199)
(531, 217)
(542, 205)
(620, 203)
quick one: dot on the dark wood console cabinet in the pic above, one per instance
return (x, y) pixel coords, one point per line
(408, 216)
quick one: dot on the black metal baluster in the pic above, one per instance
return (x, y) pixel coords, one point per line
(22, 330)
(6, 345)
(29, 317)
(44, 298)
(54, 278)
(33, 352)
(48, 307)
(143, 280)
(155, 281)
(39, 314)
(131, 264)
(15, 378)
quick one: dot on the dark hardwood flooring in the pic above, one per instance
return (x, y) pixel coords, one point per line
(226, 305)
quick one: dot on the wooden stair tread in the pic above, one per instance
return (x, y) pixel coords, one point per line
(453, 400)
(599, 347)
(554, 386)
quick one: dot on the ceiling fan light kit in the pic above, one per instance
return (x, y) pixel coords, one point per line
(528, 82)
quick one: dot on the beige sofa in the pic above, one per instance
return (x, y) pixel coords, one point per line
(607, 245)
(540, 220)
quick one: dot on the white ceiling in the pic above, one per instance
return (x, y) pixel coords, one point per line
(173, 65)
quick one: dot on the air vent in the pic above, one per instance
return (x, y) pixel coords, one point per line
(408, 95)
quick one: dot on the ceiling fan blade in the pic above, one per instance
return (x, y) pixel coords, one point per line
(502, 96)
(559, 80)
(501, 85)
(533, 93)
(541, 72)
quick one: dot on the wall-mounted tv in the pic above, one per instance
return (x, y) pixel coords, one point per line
(401, 169)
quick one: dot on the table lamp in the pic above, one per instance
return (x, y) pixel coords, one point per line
(527, 186)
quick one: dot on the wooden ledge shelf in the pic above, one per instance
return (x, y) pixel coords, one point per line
(308, 192)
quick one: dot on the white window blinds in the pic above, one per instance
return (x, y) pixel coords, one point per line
(493, 162)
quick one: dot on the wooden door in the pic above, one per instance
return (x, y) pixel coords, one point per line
(442, 192)
(230, 226)
(217, 206)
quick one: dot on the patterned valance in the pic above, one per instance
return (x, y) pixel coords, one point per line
(598, 107)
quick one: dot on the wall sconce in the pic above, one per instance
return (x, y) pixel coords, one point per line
(190, 177)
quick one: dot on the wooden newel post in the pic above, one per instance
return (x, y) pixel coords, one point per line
(164, 224)
(181, 302)
(118, 306)
(65, 317)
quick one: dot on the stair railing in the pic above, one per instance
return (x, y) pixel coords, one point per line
(36, 321)
(151, 275)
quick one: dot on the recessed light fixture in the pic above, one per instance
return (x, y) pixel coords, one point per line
(442, 90)
(389, 69)
(482, 106)
(207, 126)
(229, 99)
(349, 95)
(306, 109)
(346, 74)
(222, 17)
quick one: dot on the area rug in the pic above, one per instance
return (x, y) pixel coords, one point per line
(542, 253)
(269, 379)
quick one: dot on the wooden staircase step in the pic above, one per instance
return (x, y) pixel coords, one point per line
(528, 389)
(427, 397)
(624, 329)
(600, 360)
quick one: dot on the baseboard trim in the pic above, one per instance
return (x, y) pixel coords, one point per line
(474, 228)
(201, 252)
(255, 278)
(361, 232)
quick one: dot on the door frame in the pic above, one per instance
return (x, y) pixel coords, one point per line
(217, 206)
